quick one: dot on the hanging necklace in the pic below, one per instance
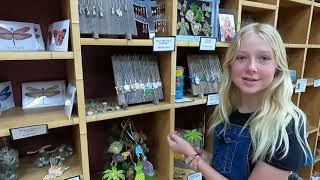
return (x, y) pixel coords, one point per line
(81, 9)
(100, 8)
(118, 9)
(111, 4)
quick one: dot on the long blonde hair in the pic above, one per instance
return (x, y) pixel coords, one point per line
(268, 124)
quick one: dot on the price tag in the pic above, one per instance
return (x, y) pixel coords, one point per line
(164, 44)
(208, 44)
(316, 83)
(213, 99)
(301, 85)
(73, 178)
(152, 35)
(184, 99)
(29, 131)
(195, 176)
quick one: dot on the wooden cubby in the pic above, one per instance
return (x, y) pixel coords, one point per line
(314, 37)
(87, 65)
(57, 136)
(258, 12)
(155, 125)
(295, 57)
(293, 20)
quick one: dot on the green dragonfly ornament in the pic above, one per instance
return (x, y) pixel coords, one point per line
(48, 92)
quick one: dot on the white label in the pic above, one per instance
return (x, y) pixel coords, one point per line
(316, 83)
(164, 43)
(152, 35)
(195, 176)
(184, 99)
(30, 131)
(213, 99)
(73, 178)
(301, 85)
(207, 44)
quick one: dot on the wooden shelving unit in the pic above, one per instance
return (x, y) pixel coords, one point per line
(87, 64)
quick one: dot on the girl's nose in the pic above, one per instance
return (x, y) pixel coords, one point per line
(252, 65)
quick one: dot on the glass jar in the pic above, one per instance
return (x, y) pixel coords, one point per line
(9, 160)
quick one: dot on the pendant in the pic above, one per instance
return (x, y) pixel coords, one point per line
(148, 168)
(101, 12)
(95, 35)
(119, 12)
(197, 80)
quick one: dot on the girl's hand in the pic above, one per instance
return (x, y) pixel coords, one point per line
(179, 145)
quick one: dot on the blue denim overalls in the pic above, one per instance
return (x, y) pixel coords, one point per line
(231, 152)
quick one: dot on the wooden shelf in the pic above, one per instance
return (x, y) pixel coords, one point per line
(28, 171)
(309, 82)
(16, 117)
(195, 101)
(196, 44)
(316, 6)
(294, 3)
(312, 129)
(297, 45)
(5, 56)
(257, 5)
(315, 46)
(134, 110)
(115, 42)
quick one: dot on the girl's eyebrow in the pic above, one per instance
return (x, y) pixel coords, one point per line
(259, 51)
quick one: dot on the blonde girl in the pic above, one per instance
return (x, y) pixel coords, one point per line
(258, 133)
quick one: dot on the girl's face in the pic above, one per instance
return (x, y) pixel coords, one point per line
(253, 69)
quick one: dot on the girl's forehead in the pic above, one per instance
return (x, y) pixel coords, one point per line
(253, 41)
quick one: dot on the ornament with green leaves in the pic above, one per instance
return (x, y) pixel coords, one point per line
(139, 171)
(113, 174)
(183, 27)
(192, 136)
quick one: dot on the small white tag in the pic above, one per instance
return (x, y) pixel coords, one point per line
(161, 44)
(195, 176)
(301, 85)
(184, 99)
(30, 131)
(208, 44)
(152, 35)
(73, 178)
(316, 83)
(213, 99)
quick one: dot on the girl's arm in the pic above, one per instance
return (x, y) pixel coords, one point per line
(179, 145)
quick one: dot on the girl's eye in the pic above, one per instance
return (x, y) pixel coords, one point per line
(265, 58)
(240, 57)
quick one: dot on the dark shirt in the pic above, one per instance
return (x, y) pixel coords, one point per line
(295, 158)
